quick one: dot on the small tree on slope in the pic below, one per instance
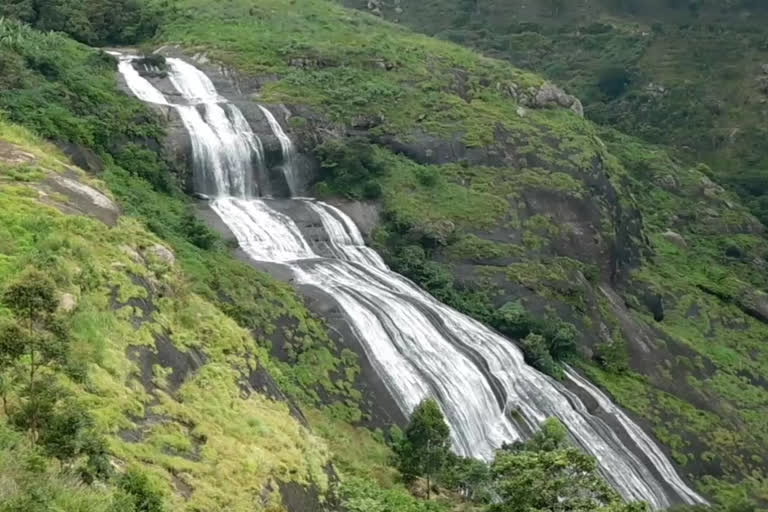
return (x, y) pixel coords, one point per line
(425, 444)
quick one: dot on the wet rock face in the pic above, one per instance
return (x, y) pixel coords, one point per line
(242, 92)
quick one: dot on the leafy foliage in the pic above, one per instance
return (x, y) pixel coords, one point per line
(140, 492)
(350, 168)
(65, 91)
(613, 81)
(548, 474)
(361, 495)
(95, 22)
(425, 444)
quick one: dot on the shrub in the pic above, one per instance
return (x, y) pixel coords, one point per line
(349, 166)
(427, 176)
(612, 357)
(146, 164)
(141, 492)
(372, 190)
(536, 353)
(547, 474)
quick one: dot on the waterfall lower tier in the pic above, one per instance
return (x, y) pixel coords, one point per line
(418, 347)
(421, 348)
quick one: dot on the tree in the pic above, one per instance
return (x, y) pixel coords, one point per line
(469, 477)
(94, 22)
(35, 341)
(425, 445)
(547, 474)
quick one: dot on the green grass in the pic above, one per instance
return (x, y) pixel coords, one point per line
(693, 74)
(250, 439)
(345, 80)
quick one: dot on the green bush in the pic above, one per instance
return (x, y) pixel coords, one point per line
(66, 91)
(95, 22)
(537, 355)
(364, 495)
(145, 164)
(428, 176)
(372, 190)
(142, 494)
(349, 167)
(549, 475)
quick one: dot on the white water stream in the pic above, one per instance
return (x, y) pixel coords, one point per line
(418, 346)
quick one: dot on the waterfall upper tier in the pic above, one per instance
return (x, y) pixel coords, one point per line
(229, 158)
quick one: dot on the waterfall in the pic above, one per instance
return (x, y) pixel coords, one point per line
(225, 153)
(418, 346)
(344, 238)
(286, 145)
(140, 86)
(193, 84)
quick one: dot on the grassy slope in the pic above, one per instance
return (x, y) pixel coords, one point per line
(344, 83)
(694, 78)
(208, 433)
(225, 445)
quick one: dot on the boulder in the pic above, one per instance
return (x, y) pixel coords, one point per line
(85, 198)
(675, 239)
(131, 253)
(82, 156)
(14, 155)
(551, 96)
(754, 303)
(67, 303)
(160, 253)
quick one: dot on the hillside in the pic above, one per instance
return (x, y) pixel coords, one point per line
(164, 375)
(163, 395)
(488, 200)
(690, 75)
(479, 181)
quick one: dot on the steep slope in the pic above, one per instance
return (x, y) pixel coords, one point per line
(177, 388)
(492, 194)
(169, 399)
(686, 74)
(488, 199)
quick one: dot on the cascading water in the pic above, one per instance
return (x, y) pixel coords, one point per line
(286, 145)
(225, 153)
(418, 346)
